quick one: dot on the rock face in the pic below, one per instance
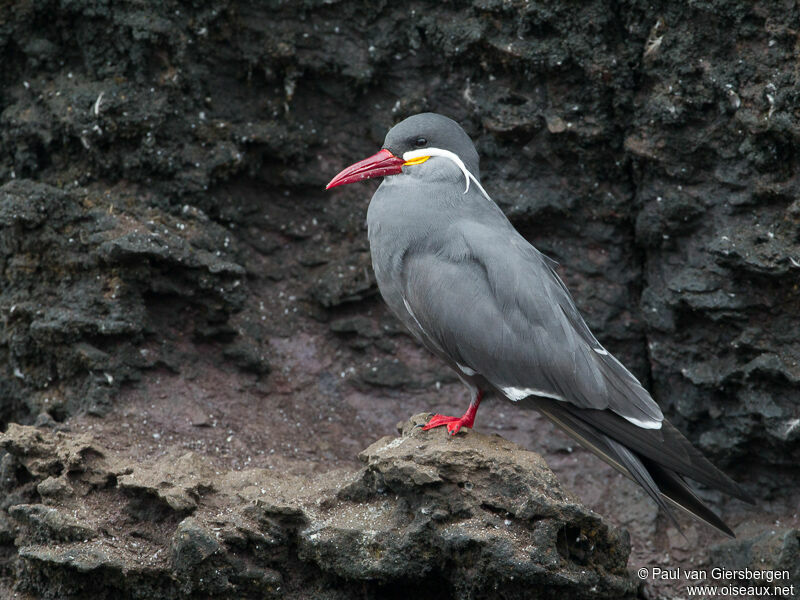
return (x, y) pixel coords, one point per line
(471, 517)
(774, 552)
(103, 270)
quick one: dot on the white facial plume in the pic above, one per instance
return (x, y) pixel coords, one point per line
(412, 154)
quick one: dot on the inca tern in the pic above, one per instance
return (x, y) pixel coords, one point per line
(476, 294)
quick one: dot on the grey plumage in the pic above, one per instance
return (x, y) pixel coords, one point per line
(471, 289)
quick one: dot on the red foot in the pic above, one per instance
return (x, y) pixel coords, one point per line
(454, 424)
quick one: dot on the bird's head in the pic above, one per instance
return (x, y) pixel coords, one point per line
(410, 144)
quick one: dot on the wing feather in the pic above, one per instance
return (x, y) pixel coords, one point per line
(495, 304)
(488, 301)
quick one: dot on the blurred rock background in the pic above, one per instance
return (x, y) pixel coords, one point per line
(175, 277)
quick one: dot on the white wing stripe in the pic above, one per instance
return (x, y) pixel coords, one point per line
(517, 394)
(467, 371)
(652, 424)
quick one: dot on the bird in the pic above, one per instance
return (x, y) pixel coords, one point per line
(473, 291)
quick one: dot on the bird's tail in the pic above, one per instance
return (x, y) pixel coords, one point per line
(665, 486)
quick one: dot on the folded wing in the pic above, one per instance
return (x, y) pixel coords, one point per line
(495, 305)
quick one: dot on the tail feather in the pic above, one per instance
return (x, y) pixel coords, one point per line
(661, 483)
(665, 446)
(641, 475)
(678, 492)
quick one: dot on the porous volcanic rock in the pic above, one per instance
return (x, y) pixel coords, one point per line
(772, 556)
(468, 517)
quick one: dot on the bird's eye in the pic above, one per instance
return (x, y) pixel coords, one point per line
(420, 142)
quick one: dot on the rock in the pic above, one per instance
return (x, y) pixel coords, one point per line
(8, 529)
(767, 555)
(115, 262)
(422, 501)
(54, 487)
(390, 373)
(340, 283)
(45, 455)
(191, 545)
(476, 515)
(179, 482)
(360, 325)
(248, 356)
(46, 524)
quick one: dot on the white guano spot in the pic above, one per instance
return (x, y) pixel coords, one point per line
(96, 107)
(393, 444)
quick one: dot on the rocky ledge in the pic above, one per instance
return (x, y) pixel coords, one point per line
(426, 515)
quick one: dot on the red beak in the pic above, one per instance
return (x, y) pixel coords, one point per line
(382, 163)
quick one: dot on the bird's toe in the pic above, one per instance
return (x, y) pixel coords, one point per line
(438, 421)
(454, 424)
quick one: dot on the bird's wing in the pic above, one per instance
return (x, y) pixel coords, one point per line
(496, 306)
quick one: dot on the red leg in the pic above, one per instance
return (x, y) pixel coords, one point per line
(454, 424)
